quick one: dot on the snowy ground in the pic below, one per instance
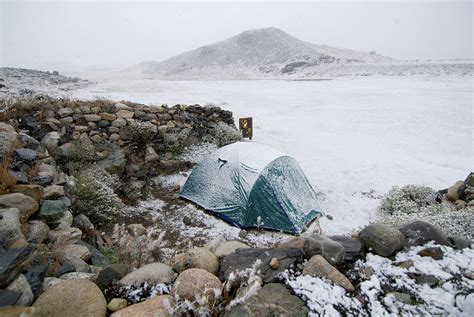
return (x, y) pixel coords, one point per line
(354, 137)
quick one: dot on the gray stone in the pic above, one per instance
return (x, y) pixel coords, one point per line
(37, 231)
(10, 226)
(461, 243)
(136, 229)
(382, 239)
(27, 156)
(193, 284)
(115, 162)
(317, 266)
(69, 235)
(53, 191)
(50, 141)
(50, 281)
(352, 247)
(402, 297)
(200, 258)
(111, 274)
(12, 262)
(76, 250)
(64, 112)
(271, 300)
(153, 273)
(83, 223)
(453, 191)
(20, 285)
(430, 280)
(419, 233)
(433, 252)
(28, 142)
(331, 250)
(229, 247)
(92, 117)
(245, 258)
(97, 258)
(52, 210)
(25, 204)
(8, 298)
(64, 222)
(78, 275)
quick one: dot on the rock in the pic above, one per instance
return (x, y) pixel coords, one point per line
(69, 235)
(50, 281)
(92, 117)
(29, 157)
(50, 141)
(78, 275)
(107, 116)
(150, 155)
(459, 204)
(76, 250)
(53, 191)
(64, 222)
(274, 263)
(271, 300)
(430, 280)
(157, 306)
(297, 242)
(245, 258)
(229, 247)
(72, 263)
(18, 311)
(83, 223)
(72, 298)
(121, 106)
(8, 297)
(187, 220)
(461, 243)
(136, 229)
(453, 194)
(125, 114)
(64, 112)
(12, 262)
(242, 233)
(405, 264)
(111, 274)
(97, 258)
(200, 258)
(19, 177)
(20, 285)
(25, 204)
(352, 247)
(153, 273)
(52, 210)
(115, 162)
(401, 297)
(317, 266)
(433, 252)
(34, 191)
(419, 233)
(192, 284)
(117, 304)
(37, 231)
(382, 239)
(10, 226)
(119, 123)
(331, 250)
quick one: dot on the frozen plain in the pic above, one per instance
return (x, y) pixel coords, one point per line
(354, 138)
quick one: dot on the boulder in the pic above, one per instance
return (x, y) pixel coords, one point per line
(53, 191)
(453, 191)
(382, 239)
(8, 297)
(157, 306)
(52, 210)
(245, 258)
(25, 204)
(193, 284)
(29, 157)
(331, 250)
(117, 304)
(12, 262)
(28, 142)
(297, 242)
(229, 247)
(111, 274)
(125, 114)
(461, 243)
(153, 273)
(76, 250)
(115, 162)
(200, 258)
(20, 285)
(69, 235)
(97, 258)
(50, 141)
(420, 232)
(34, 191)
(78, 297)
(433, 252)
(10, 226)
(271, 300)
(37, 231)
(64, 112)
(136, 229)
(317, 266)
(352, 247)
(92, 117)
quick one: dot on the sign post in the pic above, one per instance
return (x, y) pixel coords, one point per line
(246, 126)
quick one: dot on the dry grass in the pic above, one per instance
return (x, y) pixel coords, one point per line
(6, 180)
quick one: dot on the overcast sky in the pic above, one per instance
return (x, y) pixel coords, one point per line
(68, 35)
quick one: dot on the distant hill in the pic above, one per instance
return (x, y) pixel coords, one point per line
(259, 53)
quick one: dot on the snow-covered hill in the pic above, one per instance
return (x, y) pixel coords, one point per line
(260, 53)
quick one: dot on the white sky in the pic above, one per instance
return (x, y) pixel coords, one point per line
(68, 35)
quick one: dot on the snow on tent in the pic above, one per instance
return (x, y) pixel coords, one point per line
(252, 185)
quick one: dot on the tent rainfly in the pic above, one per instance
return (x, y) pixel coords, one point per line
(252, 185)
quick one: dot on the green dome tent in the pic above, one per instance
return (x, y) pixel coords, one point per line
(252, 185)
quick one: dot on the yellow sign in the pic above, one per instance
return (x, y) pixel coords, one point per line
(246, 126)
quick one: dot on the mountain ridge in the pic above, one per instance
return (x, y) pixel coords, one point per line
(267, 52)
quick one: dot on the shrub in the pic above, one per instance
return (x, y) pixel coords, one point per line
(79, 156)
(408, 199)
(140, 133)
(226, 134)
(94, 189)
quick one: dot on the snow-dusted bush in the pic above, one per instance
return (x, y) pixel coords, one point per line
(94, 189)
(226, 134)
(409, 203)
(408, 199)
(140, 133)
